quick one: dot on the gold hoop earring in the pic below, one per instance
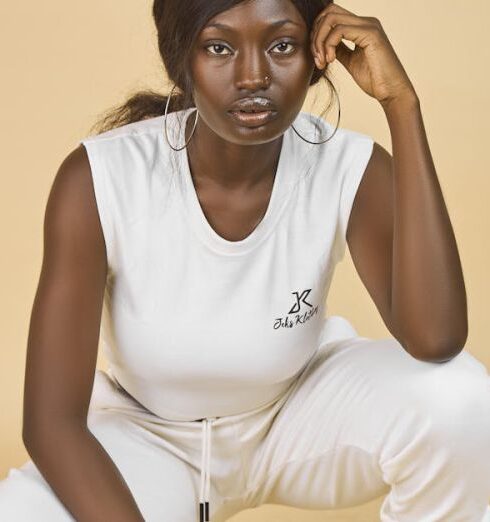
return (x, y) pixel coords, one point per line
(336, 126)
(165, 123)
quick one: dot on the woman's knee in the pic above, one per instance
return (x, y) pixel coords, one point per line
(456, 390)
(452, 397)
(25, 496)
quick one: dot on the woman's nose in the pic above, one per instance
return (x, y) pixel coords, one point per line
(253, 83)
(252, 71)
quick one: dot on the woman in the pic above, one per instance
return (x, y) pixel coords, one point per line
(209, 225)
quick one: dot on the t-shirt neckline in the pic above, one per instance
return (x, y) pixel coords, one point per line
(286, 173)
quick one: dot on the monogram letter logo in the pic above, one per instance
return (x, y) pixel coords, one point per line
(299, 299)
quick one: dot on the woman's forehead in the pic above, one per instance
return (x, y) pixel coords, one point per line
(264, 12)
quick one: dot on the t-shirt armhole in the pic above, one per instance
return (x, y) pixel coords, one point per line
(350, 184)
(102, 196)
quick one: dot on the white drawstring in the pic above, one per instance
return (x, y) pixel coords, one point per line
(205, 469)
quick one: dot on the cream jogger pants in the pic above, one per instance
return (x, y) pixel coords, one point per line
(363, 419)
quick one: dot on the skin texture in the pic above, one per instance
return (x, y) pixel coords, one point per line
(399, 233)
(233, 166)
(62, 354)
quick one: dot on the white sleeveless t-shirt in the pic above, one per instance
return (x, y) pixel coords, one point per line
(194, 325)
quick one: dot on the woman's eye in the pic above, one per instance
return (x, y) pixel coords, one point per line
(284, 43)
(217, 47)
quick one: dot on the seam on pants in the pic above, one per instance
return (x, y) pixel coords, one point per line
(302, 461)
(244, 466)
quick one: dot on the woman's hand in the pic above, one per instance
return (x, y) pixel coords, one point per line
(373, 63)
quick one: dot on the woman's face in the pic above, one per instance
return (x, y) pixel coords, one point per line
(230, 63)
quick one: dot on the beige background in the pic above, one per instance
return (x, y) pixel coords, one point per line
(64, 62)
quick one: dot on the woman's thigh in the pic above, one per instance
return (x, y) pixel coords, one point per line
(163, 485)
(365, 415)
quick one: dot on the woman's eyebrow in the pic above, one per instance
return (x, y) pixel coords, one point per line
(272, 25)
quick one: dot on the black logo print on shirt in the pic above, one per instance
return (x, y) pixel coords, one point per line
(300, 299)
(301, 316)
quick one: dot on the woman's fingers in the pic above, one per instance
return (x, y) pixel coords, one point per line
(339, 23)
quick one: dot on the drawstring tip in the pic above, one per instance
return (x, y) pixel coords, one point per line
(203, 511)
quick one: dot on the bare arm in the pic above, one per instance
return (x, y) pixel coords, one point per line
(62, 354)
(403, 245)
(400, 235)
(428, 299)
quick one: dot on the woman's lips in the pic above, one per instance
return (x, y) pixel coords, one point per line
(253, 119)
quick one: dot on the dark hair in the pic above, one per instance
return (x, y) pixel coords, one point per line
(178, 24)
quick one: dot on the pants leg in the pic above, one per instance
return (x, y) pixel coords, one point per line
(365, 419)
(163, 485)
